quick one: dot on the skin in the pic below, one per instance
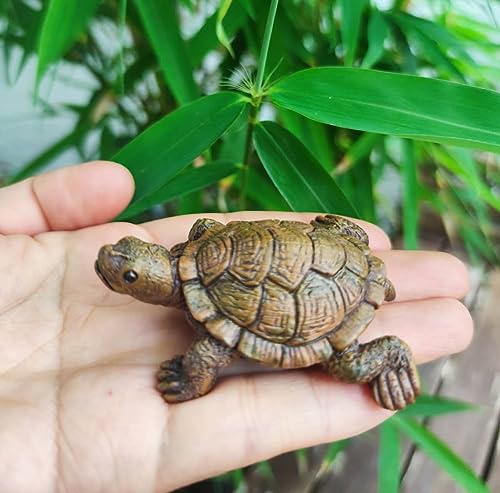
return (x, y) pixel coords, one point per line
(78, 408)
(150, 273)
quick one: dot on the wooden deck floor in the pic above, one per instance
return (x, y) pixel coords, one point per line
(473, 376)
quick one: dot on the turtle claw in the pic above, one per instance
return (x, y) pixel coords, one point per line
(172, 382)
(169, 387)
(174, 364)
(396, 388)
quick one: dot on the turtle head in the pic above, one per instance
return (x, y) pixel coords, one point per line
(143, 270)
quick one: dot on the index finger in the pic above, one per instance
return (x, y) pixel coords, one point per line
(172, 230)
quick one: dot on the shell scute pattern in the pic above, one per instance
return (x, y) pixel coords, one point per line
(320, 307)
(277, 313)
(213, 258)
(329, 252)
(252, 252)
(293, 255)
(274, 289)
(238, 302)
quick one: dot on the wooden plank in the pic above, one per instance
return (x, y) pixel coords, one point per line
(492, 474)
(356, 469)
(470, 376)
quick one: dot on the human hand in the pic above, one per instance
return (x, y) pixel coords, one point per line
(78, 408)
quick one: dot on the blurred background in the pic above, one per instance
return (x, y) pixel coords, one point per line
(114, 78)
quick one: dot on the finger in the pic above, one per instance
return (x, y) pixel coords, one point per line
(433, 328)
(251, 418)
(65, 199)
(418, 275)
(175, 229)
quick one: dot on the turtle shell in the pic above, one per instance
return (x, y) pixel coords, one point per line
(274, 290)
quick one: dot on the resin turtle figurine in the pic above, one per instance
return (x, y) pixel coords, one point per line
(283, 293)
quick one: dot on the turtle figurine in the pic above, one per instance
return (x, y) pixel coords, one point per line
(283, 293)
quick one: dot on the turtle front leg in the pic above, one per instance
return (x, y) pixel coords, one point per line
(193, 374)
(386, 364)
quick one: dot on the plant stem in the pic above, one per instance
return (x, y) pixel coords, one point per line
(247, 156)
(256, 100)
(265, 45)
(122, 23)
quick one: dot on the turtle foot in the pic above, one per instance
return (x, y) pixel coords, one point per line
(395, 388)
(172, 382)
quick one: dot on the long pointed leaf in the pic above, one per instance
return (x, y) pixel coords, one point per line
(389, 451)
(312, 134)
(352, 10)
(433, 405)
(397, 104)
(300, 178)
(63, 23)
(219, 28)
(440, 453)
(187, 181)
(432, 30)
(165, 148)
(160, 20)
(378, 30)
(206, 39)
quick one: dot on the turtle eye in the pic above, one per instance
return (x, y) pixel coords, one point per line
(130, 276)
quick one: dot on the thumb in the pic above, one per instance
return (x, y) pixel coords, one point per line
(65, 199)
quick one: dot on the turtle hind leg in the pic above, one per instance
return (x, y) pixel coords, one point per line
(386, 364)
(342, 226)
(193, 374)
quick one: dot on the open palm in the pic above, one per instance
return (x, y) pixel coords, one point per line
(78, 409)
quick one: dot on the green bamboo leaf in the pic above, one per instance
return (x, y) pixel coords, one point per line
(363, 190)
(162, 26)
(357, 151)
(164, 149)
(312, 134)
(469, 28)
(397, 104)
(28, 19)
(264, 468)
(122, 21)
(332, 452)
(352, 10)
(206, 40)
(433, 31)
(238, 477)
(389, 452)
(299, 177)
(433, 52)
(219, 28)
(425, 35)
(301, 460)
(461, 163)
(262, 191)
(378, 31)
(410, 195)
(434, 405)
(63, 24)
(249, 7)
(187, 181)
(441, 454)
